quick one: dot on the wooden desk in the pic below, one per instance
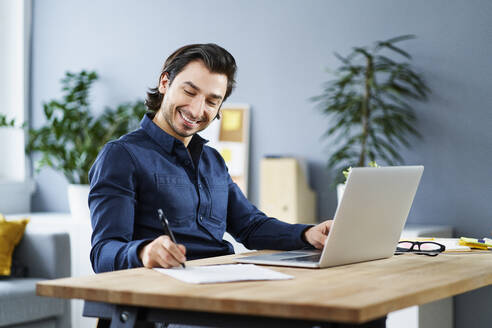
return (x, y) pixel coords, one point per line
(353, 293)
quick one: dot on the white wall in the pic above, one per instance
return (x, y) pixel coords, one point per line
(15, 184)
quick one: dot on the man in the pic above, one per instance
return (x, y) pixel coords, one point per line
(166, 164)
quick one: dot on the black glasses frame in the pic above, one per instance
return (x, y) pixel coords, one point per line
(417, 244)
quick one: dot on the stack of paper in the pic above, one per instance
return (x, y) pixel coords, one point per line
(452, 245)
(223, 273)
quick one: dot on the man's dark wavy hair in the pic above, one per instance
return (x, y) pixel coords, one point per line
(215, 58)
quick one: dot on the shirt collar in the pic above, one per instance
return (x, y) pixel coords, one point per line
(162, 138)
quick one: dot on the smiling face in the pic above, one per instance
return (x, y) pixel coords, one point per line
(191, 101)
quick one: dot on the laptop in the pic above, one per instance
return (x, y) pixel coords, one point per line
(368, 221)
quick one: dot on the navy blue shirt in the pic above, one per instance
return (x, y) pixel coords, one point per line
(148, 169)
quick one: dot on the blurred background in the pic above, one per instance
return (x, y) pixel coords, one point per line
(283, 49)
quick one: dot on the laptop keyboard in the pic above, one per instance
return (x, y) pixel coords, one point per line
(307, 258)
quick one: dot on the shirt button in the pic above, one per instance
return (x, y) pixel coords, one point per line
(201, 218)
(200, 185)
(187, 162)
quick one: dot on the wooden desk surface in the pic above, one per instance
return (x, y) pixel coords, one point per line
(351, 293)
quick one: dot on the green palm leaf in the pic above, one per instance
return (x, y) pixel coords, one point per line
(375, 88)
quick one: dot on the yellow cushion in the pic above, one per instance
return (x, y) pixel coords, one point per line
(11, 233)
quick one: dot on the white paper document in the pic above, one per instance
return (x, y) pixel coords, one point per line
(223, 273)
(452, 245)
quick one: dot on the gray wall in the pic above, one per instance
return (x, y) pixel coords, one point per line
(282, 49)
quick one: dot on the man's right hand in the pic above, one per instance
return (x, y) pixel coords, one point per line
(162, 252)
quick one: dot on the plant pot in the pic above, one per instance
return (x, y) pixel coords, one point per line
(78, 196)
(340, 190)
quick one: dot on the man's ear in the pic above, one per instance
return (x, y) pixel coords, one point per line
(164, 83)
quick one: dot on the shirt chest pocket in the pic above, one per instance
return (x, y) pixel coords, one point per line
(219, 198)
(175, 197)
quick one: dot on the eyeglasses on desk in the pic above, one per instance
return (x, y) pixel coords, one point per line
(428, 248)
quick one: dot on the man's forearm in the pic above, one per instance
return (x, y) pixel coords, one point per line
(270, 233)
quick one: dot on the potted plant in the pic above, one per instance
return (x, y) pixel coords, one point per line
(72, 136)
(368, 103)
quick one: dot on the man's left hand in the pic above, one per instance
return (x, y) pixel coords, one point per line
(316, 235)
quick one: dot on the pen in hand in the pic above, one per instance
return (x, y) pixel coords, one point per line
(167, 230)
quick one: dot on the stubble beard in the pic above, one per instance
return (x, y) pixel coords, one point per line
(168, 116)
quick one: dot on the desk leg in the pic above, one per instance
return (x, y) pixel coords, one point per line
(103, 323)
(124, 317)
(378, 323)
